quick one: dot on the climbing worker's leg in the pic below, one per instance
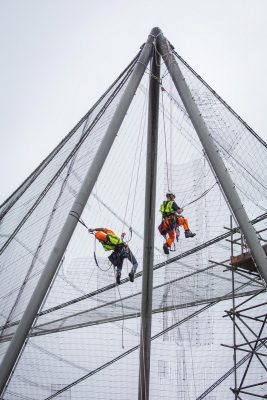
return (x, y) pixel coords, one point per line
(171, 237)
(132, 259)
(118, 271)
(166, 248)
(183, 221)
(169, 242)
(167, 228)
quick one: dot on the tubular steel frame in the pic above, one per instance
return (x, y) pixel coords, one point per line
(239, 313)
(244, 323)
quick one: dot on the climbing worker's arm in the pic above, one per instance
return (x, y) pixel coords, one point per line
(92, 230)
(105, 230)
(176, 208)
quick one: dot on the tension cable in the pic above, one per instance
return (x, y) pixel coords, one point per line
(72, 213)
(202, 195)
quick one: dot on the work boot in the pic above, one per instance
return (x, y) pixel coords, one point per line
(189, 234)
(131, 276)
(166, 248)
(118, 278)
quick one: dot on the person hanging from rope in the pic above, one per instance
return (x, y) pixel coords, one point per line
(171, 220)
(110, 241)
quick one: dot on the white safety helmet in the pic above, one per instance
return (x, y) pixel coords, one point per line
(170, 195)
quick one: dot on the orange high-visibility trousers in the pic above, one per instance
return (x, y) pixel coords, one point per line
(183, 221)
(170, 239)
(167, 225)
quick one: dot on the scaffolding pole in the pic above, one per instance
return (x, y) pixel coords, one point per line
(16, 345)
(214, 157)
(234, 311)
(149, 229)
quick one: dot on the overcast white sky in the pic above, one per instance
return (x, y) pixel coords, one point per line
(58, 56)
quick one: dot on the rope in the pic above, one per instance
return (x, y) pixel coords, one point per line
(171, 137)
(175, 101)
(104, 270)
(132, 174)
(123, 315)
(72, 213)
(98, 266)
(202, 195)
(139, 162)
(76, 215)
(165, 140)
(155, 267)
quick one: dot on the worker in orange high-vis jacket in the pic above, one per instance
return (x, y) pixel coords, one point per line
(120, 250)
(171, 219)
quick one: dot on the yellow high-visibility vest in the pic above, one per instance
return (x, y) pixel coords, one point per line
(166, 207)
(111, 242)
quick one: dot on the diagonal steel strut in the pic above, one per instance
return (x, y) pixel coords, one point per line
(77, 208)
(213, 156)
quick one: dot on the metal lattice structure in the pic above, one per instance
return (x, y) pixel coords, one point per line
(66, 329)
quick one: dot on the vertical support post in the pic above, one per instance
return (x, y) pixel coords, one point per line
(212, 153)
(149, 228)
(42, 286)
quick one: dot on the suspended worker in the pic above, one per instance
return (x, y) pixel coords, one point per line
(171, 220)
(110, 241)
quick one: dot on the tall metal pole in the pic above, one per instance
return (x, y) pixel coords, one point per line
(212, 152)
(42, 286)
(149, 227)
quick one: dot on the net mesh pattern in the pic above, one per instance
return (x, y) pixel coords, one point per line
(85, 338)
(32, 225)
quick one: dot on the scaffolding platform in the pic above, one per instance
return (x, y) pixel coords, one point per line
(245, 261)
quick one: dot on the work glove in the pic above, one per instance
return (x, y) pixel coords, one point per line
(91, 230)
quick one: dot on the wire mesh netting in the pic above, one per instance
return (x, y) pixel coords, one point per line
(85, 339)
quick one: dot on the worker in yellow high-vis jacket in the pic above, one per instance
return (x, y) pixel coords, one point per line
(120, 251)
